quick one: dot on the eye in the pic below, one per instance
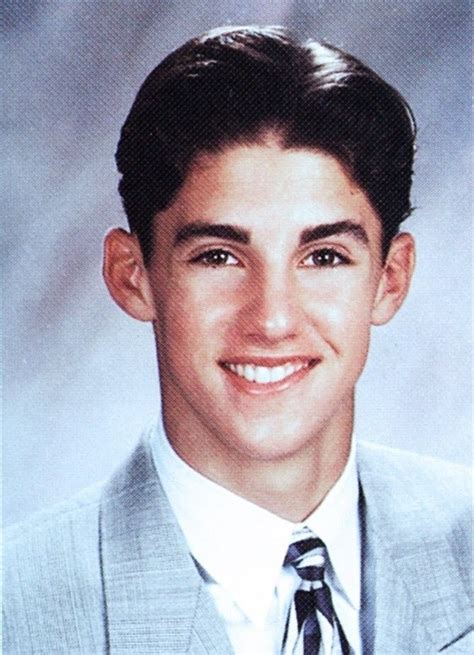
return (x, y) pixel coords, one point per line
(325, 258)
(215, 258)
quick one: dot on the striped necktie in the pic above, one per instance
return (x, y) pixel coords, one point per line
(312, 600)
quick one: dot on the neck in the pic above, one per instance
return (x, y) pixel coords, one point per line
(289, 486)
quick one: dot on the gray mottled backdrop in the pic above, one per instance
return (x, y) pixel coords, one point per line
(80, 378)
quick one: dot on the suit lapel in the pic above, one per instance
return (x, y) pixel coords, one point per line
(155, 599)
(410, 568)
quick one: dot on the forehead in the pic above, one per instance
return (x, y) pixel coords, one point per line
(270, 189)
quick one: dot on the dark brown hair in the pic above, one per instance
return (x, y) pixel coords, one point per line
(231, 86)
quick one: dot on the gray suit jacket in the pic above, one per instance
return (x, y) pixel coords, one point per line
(110, 571)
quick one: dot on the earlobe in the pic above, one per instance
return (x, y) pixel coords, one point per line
(125, 275)
(395, 279)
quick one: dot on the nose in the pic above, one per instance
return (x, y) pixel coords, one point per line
(271, 313)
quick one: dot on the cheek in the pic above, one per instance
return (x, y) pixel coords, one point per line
(192, 316)
(341, 311)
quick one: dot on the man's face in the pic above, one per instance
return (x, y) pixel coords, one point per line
(265, 273)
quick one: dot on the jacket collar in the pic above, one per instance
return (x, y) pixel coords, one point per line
(155, 599)
(414, 573)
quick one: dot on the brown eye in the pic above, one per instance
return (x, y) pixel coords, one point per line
(215, 258)
(325, 258)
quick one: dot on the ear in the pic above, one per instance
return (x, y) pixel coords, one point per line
(395, 279)
(126, 276)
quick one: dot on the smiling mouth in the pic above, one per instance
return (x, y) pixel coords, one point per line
(258, 374)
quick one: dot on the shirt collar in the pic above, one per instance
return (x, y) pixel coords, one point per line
(241, 545)
(336, 522)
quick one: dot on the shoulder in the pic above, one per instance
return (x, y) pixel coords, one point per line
(63, 523)
(416, 520)
(53, 564)
(408, 473)
(52, 570)
(416, 497)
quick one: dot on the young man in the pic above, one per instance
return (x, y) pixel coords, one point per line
(264, 182)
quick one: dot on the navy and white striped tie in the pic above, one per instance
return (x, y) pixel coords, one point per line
(312, 600)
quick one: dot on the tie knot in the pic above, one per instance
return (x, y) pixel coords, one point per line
(308, 558)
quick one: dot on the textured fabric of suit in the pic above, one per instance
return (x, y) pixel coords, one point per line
(109, 572)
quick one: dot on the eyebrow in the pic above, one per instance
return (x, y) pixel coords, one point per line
(198, 229)
(332, 229)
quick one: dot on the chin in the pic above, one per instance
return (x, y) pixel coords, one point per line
(267, 444)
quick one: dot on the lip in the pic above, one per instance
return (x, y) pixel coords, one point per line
(268, 360)
(257, 389)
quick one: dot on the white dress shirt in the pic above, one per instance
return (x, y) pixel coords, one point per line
(241, 547)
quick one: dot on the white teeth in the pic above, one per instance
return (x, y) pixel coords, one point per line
(265, 374)
(277, 373)
(262, 374)
(249, 372)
